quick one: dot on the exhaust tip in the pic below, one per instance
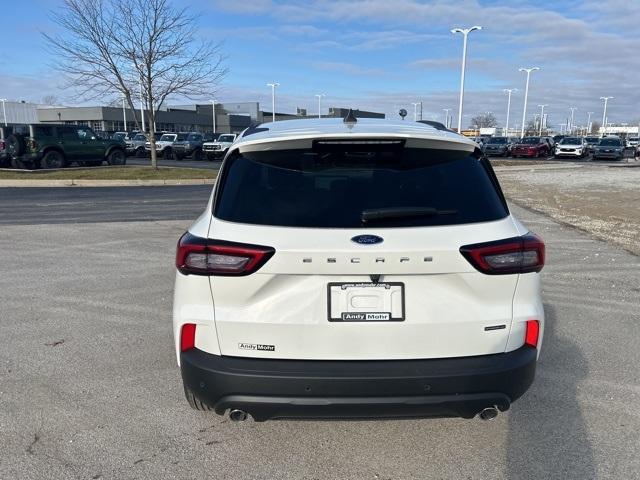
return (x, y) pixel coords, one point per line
(488, 413)
(238, 415)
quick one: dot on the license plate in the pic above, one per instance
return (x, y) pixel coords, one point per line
(365, 302)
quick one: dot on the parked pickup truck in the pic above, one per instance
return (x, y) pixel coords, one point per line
(191, 146)
(218, 149)
(56, 146)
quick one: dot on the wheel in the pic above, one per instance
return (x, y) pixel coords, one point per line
(140, 153)
(116, 157)
(179, 156)
(53, 159)
(195, 402)
(168, 154)
(198, 155)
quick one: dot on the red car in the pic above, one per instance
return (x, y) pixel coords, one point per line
(530, 147)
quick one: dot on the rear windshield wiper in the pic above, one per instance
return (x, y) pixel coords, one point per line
(373, 214)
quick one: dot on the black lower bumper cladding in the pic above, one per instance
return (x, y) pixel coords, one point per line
(271, 389)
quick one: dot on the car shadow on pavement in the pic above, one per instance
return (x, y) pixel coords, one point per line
(547, 436)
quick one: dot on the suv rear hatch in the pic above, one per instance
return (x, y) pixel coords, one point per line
(367, 261)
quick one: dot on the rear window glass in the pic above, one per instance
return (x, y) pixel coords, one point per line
(336, 189)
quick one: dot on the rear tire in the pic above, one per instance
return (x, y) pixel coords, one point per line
(168, 154)
(140, 153)
(116, 157)
(53, 159)
(195, 402)
(197, 155)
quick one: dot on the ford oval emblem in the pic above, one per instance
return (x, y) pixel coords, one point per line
(367, 239)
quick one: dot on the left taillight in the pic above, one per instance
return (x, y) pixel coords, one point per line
(523, 254)
(204, 256)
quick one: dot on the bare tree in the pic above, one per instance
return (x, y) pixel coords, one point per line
(131, 46)
(49, 100)
(484, 120)
(595, 127)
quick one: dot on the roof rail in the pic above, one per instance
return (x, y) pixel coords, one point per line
(254, 127)
(434, 124)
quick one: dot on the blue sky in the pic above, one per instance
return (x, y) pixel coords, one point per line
(383, 55)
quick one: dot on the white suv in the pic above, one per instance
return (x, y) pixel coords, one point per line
(218, 148)
(356, 268)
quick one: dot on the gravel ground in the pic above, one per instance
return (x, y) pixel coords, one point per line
(602, 200)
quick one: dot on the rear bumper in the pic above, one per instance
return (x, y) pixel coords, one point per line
(268, 389)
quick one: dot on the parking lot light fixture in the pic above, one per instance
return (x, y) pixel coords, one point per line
(4, 110)
(573, 110)
(320, 95)
(213, 114)
(541, 117)
(124, 114)
(604, 113)
(465, 33)
(589, 122)
(508, 91)
(447, 117)
(273, 86)
(526, 96)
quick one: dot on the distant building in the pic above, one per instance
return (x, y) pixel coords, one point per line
(231, 117)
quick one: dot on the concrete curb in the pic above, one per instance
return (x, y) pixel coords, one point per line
(103, 183)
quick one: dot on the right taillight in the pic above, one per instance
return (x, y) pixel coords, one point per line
(532, 333)
(204, 256)
(512, 255)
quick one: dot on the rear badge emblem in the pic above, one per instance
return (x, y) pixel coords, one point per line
(367, 239)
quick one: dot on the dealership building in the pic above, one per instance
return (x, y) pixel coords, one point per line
(230, 117)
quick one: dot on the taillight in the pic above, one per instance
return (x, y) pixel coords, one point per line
(204, 256)
(188, 337)
(512, 255)
(532, 333)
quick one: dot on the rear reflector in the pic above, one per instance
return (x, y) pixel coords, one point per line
(188, 337)
(204, 256)
(512, 255)
(532, 333)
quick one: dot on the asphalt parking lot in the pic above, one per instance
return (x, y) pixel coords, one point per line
(89, 387)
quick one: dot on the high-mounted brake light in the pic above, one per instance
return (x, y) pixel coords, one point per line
(204, 256)
(187, 337)
(512, 255)
(532, 333)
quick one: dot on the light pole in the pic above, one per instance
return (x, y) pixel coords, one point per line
(465, 32)
(213, 114)
(273, 99)
(447, 117)
(124, 114)
(526, 95)
(589, 122)
(573, 109)
(415, 110)
(4, 110)
(508, 91)
(604, 113)
(541, 117)
(320, 95)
